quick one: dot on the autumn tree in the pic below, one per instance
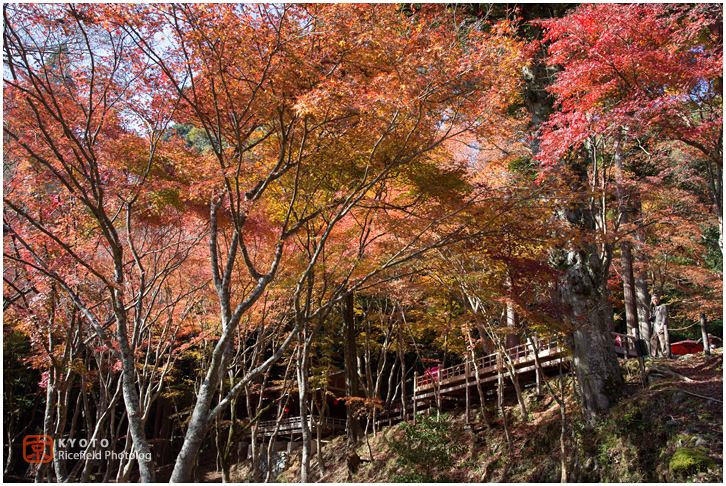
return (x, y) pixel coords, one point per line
(311, 111)
(620, 80)
(92, 195)
(633, 72)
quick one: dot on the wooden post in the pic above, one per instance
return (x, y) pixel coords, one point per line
(499, 381)
(415, 383)
(467, 371)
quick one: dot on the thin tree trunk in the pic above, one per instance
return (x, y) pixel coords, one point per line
(304, 394)
(479, 388)
(563, 430)
(517, 389)
(631, 308)
(226, 455)
(50, 407)
(319, 439)
(642, 295)
(500, 401)
(563, 412)
(626, 257)
(402, 359)
(667, 339)
(512, 327)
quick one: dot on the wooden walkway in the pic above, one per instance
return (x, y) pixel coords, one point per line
(437, 386)
(450, 385)
(459, 377)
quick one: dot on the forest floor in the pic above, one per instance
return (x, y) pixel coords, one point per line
(670, 432)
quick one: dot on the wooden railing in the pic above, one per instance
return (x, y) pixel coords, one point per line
(483, 363)
(624, 344)
(295, 423)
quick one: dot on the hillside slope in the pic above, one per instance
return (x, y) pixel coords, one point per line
(671, 431)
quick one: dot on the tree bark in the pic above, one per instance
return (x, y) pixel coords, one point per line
(660, 329)
(131, 399)
(595, 362)
(500, 401)
(512, 326)
(642, 294)
(353, 428)
(584, 289)
(304, 394)
(517, 389)
(667, 339)
(402, 358)
(626, 257)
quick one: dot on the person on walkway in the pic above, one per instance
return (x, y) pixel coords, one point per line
(660, 340)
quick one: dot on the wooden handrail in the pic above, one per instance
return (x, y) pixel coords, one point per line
(516, 352)
(295, 422)
(520, 351)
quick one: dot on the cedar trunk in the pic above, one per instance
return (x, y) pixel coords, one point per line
(626, 257)
(512, 327)
(595, 362)
(353, 428)
(642, 294)
(584, 290)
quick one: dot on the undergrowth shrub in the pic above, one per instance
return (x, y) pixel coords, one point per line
(426, 450)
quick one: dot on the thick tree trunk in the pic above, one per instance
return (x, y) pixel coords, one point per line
(584, 285)
(353, 427)
(584, 289)
(595, 362)
(512, 327)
